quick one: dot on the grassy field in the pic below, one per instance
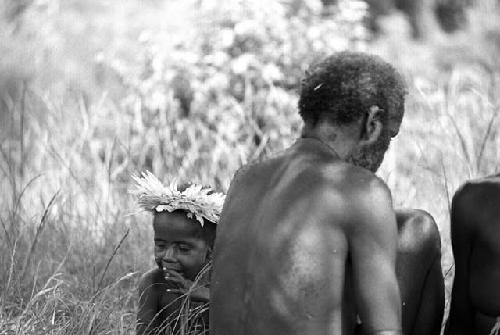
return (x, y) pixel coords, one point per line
(92, 92)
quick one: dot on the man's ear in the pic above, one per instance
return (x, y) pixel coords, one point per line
(371, 129)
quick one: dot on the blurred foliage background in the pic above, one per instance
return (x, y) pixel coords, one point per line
(94, 91)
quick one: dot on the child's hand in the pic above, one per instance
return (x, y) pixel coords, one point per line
(186, 287)
(178, 280)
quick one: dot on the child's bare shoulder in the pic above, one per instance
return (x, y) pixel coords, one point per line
(151, 280)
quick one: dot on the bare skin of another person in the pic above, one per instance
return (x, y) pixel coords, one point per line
(308, 239)
(418, 269)
(475, 238)
(420, 277)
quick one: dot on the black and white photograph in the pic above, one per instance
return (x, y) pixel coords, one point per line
(250, 167)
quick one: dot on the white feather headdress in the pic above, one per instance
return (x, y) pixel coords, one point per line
(198, 201)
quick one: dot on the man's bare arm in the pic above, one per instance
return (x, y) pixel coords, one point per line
(372, 243)
(431, 309)
(461, 319)
(431, 298)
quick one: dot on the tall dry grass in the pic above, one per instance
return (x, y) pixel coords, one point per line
(71, 247)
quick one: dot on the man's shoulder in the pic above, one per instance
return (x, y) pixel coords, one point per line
(363, 196)
(345, 182)
(364, 187)
(348, 177)
(418, 230)
(252, 169)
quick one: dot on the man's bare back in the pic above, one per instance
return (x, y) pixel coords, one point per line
(307, 239)
(475, 226)
(303, 215)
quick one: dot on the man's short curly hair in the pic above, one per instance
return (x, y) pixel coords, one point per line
(342, 87)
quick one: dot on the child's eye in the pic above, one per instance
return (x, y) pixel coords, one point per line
(184, 248)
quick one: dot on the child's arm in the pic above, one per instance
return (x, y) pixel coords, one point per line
(148, 304)
(201, 294)
(185, 286)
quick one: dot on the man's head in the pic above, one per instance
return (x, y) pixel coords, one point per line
(358, 95)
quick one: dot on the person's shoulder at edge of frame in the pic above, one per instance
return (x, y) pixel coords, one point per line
(474, 186)
(473, 192)
(472, 197)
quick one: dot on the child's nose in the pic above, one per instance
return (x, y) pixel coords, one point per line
(169, 255)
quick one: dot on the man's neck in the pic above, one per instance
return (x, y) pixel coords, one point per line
(341, 140)
(337, 143)
(317, 141)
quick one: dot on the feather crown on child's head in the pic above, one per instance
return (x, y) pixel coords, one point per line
(196, 200)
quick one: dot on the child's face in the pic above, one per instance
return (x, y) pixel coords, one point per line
(179, 244)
